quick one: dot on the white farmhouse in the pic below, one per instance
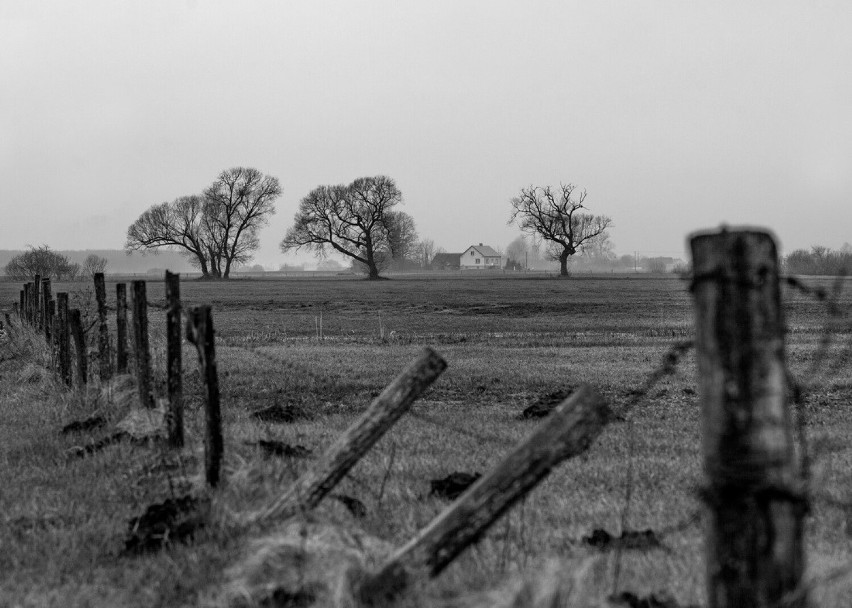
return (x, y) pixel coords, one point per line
(478, 257)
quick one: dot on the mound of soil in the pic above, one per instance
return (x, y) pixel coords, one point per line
(174, 520)
(273, 447)
(627, 598)
(87, 424)
(453, 485)
(281, 414)
(357, 508)
(630, 539)
(545, 404)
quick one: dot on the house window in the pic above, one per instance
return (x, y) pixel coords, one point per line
(471, 253)
(477, 260)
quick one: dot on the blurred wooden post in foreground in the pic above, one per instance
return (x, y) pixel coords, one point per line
(174, 365)
(199, 331)
(121, 328)
(50, 323)
(62, 342)
(143, 352)
(75, 325)
(22, 308)
(28, 303)
(384, 411)
(755, 492)
(568, 431)
(104, 359)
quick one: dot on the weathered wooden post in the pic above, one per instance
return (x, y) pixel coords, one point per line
(75, 325)
(37, 302)
(47, 297)
(62, 341)
(174, 417)
(756, 495)
(22, 308)
(104, 358)
(383, 412)
(143, 352)
(199, 331)
(28, 303)
(121, 328)
(49, 322)
(568, 431)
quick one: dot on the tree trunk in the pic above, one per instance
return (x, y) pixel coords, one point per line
(563, 263)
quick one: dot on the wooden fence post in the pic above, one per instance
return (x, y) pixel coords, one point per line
(22, 308)
(143, 352)
(199, 331)
(174, 418)
(756, 496)
(383, 412)
(121, 328)
(37, 302)
(48, 324)
(47, 297)
(64, 350)
(104, 359)
(568, 431)
(75, 325)
(28, 303)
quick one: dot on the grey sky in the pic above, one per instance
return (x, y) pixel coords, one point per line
(673, 115)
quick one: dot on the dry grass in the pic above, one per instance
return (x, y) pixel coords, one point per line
(507, 342)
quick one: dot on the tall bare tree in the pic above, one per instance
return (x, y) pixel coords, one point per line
(216, 230)
(179, 225)
(353, 220)
(237, 204)
(557, 217)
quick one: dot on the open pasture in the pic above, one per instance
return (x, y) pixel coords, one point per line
(325, 348)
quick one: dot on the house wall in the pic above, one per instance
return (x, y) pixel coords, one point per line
(471, 255)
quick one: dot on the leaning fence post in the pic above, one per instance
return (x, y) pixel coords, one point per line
(143, 352)
(383, 412)
(62, 337)
(568, 431)
(756, 499)
(104, 359)
(199, 331)
(46, 297)
(174, 418)
(75, 325)
(121, 328)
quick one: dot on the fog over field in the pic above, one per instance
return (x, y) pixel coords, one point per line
(674, 116)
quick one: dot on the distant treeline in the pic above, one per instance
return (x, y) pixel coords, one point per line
(118, 262)
(820, 260)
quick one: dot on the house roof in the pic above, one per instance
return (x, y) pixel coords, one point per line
(486, 251)
(446, 258)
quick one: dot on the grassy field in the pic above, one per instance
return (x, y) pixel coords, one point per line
(508, 342)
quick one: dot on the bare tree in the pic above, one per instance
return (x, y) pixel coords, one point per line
(237, 204)
(401, 234)
(41, 261)
(177, 225)
(556, 217)
(425, 251)
(94, 264)
(217, 230)
(352, 220)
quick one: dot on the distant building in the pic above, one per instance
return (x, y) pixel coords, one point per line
(478, 257)
(446, 261)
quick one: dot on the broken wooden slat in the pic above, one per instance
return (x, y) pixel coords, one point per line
(357, 440)
(199, 331)
(569, 430)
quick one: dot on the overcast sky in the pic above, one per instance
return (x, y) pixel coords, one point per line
(673, 116)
